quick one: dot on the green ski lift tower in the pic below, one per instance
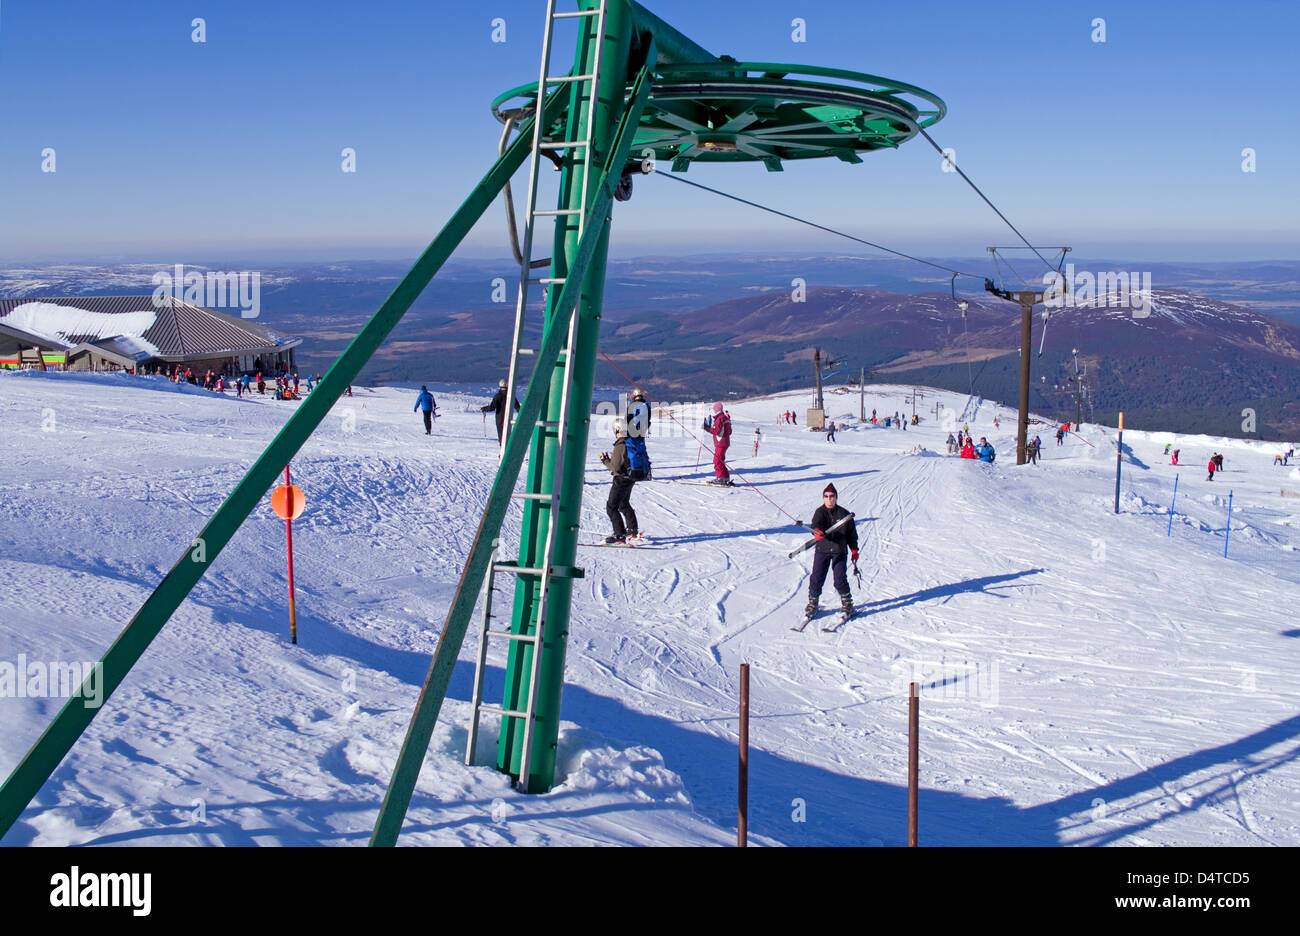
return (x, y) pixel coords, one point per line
(638, 92)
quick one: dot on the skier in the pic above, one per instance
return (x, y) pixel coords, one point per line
(952, 444)
(967, 449)
(1173, 459)
(720, 428)
(1167, 445)
(638, 423)
(873, 417)
(1212, 466)
(830, 431)
(426, 402)
(498, 406)
(758, 437)
(1218, 462)
(619, 505)
(1031, 452)
(985, 451)
(830, 552)
(239, 387)
(261, 384)
(1060, 436)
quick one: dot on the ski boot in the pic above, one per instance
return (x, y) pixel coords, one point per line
(611, 540)
(811, 610)
(846, 605)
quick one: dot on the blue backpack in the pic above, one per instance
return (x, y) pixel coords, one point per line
(638, 462)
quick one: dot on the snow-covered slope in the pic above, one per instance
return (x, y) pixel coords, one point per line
(1086, 679)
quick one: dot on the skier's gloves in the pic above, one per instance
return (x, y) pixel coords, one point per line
(818, 534)
(855, 555)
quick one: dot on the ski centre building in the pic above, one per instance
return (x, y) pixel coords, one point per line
(139, 334)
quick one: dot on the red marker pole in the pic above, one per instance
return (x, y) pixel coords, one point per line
(288, 535)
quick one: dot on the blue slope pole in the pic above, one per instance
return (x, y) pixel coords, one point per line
(1227, 529)
(1171, 508)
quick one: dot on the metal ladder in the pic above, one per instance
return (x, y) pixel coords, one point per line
(547, 569)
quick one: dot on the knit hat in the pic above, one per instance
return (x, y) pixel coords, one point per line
(717, 407)
(830, 489)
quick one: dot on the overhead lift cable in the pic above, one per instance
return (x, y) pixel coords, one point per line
(958, 170)
(820, 227)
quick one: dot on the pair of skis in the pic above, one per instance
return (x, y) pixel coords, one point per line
(842, 617)
(639, 542)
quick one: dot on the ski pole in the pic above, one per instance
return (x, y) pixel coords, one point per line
(698, 454)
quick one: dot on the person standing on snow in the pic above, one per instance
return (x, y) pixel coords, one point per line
(638, 423)
(426, 402)
(720, 428)
(619, 505)
(967, 449)
(831, 551)
(1212, 466)
(830, 431)
(498, 406)
(985, 451)
(758, 437)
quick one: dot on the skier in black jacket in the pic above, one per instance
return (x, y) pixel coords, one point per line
(619, 505)
(498, 406)
(831, 551)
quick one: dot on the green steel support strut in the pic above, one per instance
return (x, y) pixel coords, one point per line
(407, 770)
(607, 57)
(39, 764)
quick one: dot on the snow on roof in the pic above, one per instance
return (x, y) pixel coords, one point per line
(61, 322)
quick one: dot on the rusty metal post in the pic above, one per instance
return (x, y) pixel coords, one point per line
(742, 825)
(913, 752)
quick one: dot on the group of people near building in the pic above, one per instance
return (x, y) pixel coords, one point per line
(285, 384)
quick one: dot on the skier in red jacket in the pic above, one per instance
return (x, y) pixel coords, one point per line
(720, 427)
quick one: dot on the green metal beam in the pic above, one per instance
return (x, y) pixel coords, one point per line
(407, 771)
(73, 719)
(557, 466)
(672, 47)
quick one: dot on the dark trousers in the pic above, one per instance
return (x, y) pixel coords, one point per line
(501, 425)
(428, 422)
(821, 562)
(619, 506)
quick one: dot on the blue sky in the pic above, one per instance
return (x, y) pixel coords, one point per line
(166, 148)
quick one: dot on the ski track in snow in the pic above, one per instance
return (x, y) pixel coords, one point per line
(1085, 680)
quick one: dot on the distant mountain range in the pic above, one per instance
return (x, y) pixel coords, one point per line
(713, 326)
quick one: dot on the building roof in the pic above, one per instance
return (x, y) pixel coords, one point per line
(169, 329)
